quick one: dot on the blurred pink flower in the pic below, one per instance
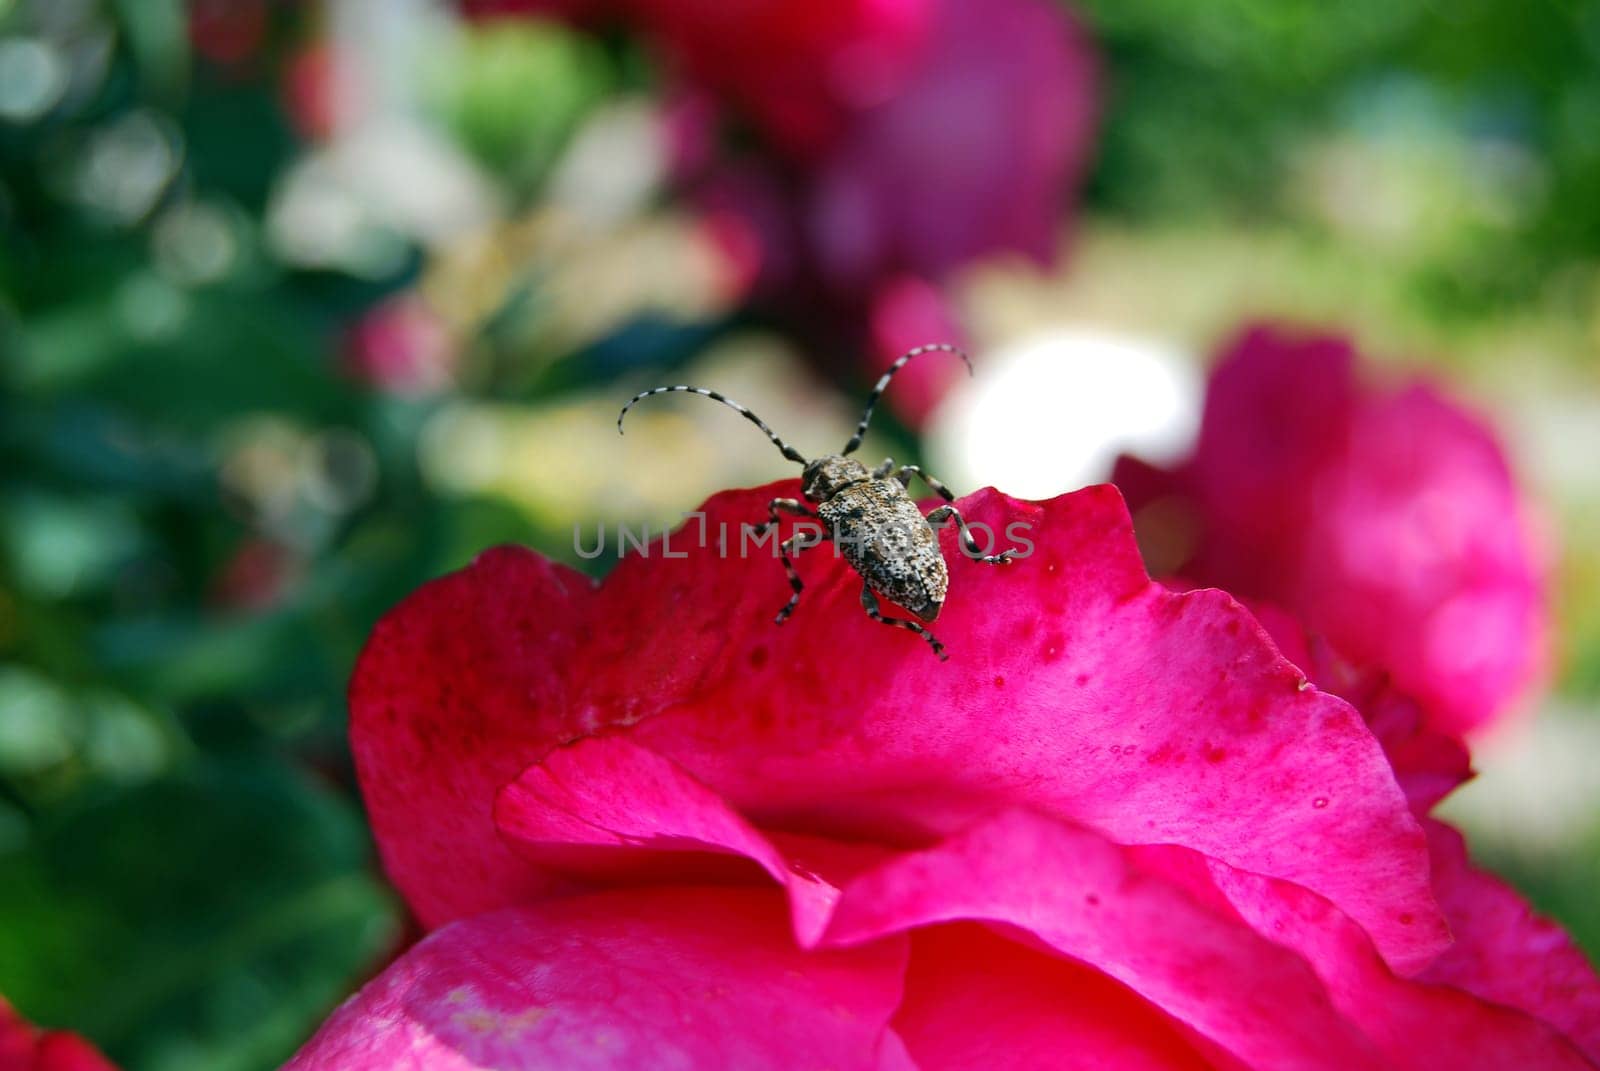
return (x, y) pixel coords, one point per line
(647, 825)
(26, 1048)
(977, 155)
(1386, 519)
(401, 346)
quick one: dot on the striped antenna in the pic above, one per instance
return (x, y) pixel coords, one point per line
(883, 385)
(788, 451)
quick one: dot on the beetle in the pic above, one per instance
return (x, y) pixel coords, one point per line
(870, 514)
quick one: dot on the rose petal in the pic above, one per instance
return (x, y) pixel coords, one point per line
(1075, 685)
(693, 978)
(1088, 899)
(972, 994)
(1418, 1026)
(23, 1047)
(1505, 953)
(1388, 521)
(459, 688)
(606, 793)
(1428, 764)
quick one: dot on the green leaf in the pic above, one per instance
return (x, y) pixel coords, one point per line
(208, 920)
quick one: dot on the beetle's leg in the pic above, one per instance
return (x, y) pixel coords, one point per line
(869, 603)
(787, 505)
(884, 469)
(799, 509)
(968, 543)
(793, 546)
(908, 471)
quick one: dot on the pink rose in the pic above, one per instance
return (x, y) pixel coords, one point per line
(24, 1047)
(647, 827)
(978, 154)
(1385, 518)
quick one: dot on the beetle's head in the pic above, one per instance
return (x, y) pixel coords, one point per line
(824, 477)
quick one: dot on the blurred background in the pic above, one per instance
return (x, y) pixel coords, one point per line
(304, 303)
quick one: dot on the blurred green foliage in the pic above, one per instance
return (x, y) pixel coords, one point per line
(514, 92)
(1210, 103)
(202, 513)
(200, 920)
(173, 881)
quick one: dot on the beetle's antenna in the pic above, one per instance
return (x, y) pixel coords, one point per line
(883, 385)
(788, 451)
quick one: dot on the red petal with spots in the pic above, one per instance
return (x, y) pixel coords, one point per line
(1386, 519)
(1075, 686)
(1091, 900)
(691, 978)
(24, 1047)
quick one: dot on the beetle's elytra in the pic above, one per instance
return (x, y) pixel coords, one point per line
(870, 515)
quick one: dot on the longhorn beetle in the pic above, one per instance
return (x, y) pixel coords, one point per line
(871, 515)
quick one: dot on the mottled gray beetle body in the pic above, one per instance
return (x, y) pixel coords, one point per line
(883, 535)
(869, 516)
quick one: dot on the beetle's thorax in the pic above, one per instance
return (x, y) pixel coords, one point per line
(825, 477)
